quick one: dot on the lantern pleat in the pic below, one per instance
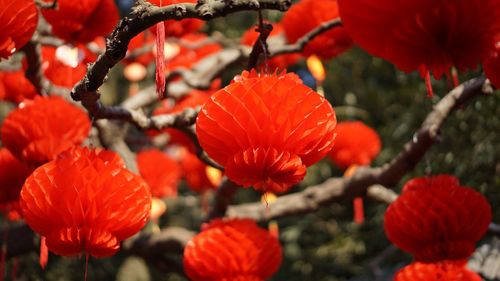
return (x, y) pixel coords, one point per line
(234, 250)
(18, 19)
(266, 129)
(43, 128)
(436, 219)
(326, 45)
(428, 36)
(85, 200)
(441, 271)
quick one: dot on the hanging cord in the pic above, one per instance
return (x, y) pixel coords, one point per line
(260, 46)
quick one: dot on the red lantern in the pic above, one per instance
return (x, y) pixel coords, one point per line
(307, 15)
(175, 28)
(492, 67)
(16, 87)
(355, 144)
(12, 175)
(436, 219)
(82, 21)
(199, 177)
(161, 172)
(428, 36)
(266, 129)
(279, 62)
(85, 200)
(41, 129)
(441, 271)
(18, 19)
(232, 250)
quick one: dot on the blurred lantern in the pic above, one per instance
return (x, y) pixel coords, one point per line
(82, 21)
(64, 66)
(436, 219)
(18, 19)
(191, 48)
(232, 250)
(492, 67)
(442, 271)
(160, 172)
(199, 176)
(266, 129)
(355, 145)
(307, 15)
(428, 36)
(15, 87)
(40, 129)
(278, 62)
(12, 175)
(140, 49)
(85, 201)
(317, 70)
(178, 28)
(195, 98)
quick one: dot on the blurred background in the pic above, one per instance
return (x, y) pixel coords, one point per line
(326, 245)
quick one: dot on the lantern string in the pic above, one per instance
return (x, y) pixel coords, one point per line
(428, 84)
(358, 209)
(263, 42)
(86, 266)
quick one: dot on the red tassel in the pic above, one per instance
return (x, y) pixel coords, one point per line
(44, 253)
(428, 84)
(454, 76)
(359, 212)
(160, 59)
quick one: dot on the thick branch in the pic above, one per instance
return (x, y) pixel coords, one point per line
(338, 189)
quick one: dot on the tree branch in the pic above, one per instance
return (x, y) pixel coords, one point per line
(338, 189)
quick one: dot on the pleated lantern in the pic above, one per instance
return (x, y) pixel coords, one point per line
(13, 173)
(232, 250)
(18, 19)
(428, 36)
(278, 62)
(355, 144)
(305, 16)
(16, 87)
(85, 201)
(492, 67)
(178, 28)
(442, 271)
(436, 219)
(82, 21)
(64, 66)
(42, 128)
(265, 129)
(160, 172)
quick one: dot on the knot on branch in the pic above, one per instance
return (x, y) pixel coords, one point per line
(285, 5)
(180, 11)
(141, 7)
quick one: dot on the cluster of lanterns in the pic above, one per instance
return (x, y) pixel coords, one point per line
(265, 128)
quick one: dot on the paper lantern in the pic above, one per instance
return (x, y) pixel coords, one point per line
(278, 62)
(18, 19)
(232, 250)
(15, 87)
(176, 28)
(199, 176)
(428, 36)
(492, 67)
(41, 129)
(85, 201)
(12, 175)
(442, 271)
(266, 129)
(307, 15)
(160, 172)
(82, 21)
(436, 219)
(355, 144)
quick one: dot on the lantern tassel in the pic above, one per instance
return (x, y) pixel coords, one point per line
(160, 59)
(359, 212)
(428, 84)
(44, 253)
